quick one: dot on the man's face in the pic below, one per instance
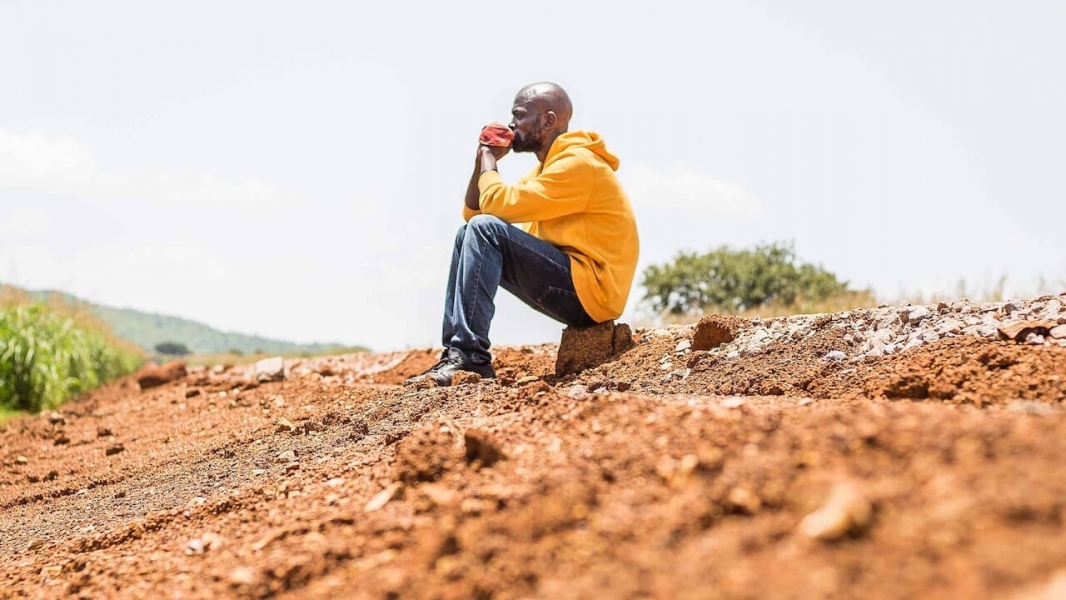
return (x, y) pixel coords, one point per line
(526, 125)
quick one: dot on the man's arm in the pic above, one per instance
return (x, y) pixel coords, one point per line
(563, 188)
(485, 161)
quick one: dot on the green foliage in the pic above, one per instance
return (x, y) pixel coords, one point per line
(47, 357)
(731, 281)
(172, 348)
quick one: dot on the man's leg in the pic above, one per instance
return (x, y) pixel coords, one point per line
(494, 253)
(449, 294)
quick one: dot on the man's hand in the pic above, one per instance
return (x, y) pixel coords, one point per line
(498, 152)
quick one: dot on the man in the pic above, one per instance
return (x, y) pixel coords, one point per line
(575, 258)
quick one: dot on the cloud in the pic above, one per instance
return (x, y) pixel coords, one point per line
(682, 187)
(38, 163)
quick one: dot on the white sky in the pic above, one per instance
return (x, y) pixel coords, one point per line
(296, 170)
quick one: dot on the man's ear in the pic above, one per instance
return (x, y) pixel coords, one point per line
(550, 119)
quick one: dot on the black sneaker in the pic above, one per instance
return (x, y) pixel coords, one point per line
(452, 360)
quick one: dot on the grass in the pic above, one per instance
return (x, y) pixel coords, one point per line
(50, 353)
(7, 414)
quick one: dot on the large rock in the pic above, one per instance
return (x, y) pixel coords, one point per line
(714, 330)
(586, 347)
(270, 369)
(156, 375)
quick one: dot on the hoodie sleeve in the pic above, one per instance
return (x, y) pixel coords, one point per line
(562, 188)
(469, 213)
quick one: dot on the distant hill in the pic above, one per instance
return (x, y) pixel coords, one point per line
(149, 329)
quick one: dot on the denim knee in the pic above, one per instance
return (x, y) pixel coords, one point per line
(485, 223)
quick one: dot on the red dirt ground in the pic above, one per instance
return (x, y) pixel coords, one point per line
(620, 482)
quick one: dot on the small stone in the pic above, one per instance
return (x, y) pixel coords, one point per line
(286, 456)
(835, 356)
(465, 378)
(847, 510)
(577, 392)
(918, 314)
(284, 426)
(953, 326)
(192, 393)
(1035, 339)
(21, 460)
(270, 369)
(383, 497)
(930, 336)
(527, 379)
(114, 449)
(194, 546)
(805, 402)
(1059, 332)
(211, 541)
(243, 576)
(734, 402)
(335, 482)
(103, 432)
(744, 500)
(683, 345)
(61, 439)
(56, 418)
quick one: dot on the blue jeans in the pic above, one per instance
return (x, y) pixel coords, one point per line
(488, 254)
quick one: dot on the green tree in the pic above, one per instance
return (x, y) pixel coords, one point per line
(172, 348)
(729, 281)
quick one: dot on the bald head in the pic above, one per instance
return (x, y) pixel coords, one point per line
(549, 97)
(540, 113)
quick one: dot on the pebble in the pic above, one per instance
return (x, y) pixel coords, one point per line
(847, 510)
(194, 546)
(918, 314)
(683, 345)
(835, 356)
(22, 460)
(243, 576)
(382, 498)
(286, 456)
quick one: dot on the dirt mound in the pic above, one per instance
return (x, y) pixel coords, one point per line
(884, 453)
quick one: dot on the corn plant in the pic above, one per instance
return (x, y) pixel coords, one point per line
(48, 357)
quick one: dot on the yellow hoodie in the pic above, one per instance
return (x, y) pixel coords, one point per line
(574, 202)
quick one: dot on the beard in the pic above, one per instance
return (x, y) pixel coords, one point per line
(526, 142)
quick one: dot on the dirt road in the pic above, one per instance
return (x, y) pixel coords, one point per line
(807, 461)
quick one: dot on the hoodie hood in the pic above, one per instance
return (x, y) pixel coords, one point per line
(582, 139)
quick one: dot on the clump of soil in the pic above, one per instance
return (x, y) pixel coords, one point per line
(585, 347)
(714, 330)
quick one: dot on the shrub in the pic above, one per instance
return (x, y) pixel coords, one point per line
(731, 281)
(172, 348)
(48, 356)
